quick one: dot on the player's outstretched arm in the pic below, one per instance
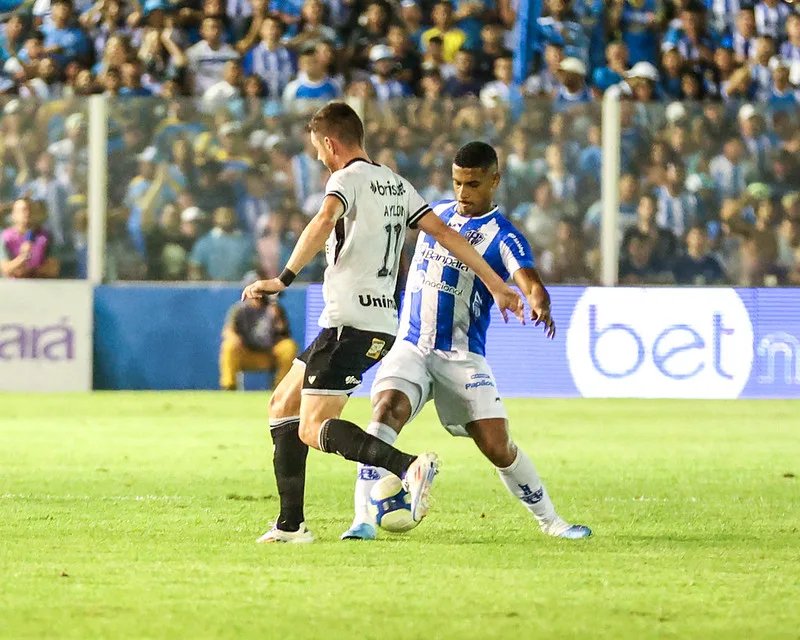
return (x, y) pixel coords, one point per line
(309, 244)
(531, 285)
(504, 296)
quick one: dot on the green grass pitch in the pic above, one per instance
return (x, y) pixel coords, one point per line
(128, 515)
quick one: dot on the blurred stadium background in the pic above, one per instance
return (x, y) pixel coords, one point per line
(153, 161)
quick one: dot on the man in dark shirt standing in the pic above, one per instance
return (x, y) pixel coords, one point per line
(255, 338)
(698, 266)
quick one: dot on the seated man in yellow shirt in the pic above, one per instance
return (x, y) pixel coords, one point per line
(452, 37)
(255, 338)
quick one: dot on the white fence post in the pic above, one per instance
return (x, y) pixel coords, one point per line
(98, 187)
(612, 143)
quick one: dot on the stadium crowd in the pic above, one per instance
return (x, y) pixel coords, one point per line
(211, 175)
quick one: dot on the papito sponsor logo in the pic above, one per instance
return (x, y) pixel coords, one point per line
(668, 343)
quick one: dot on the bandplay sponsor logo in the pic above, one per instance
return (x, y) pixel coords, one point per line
(446, 260)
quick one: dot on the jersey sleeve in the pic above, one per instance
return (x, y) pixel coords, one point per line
(417, 206)
(515, 252)
(342, 187)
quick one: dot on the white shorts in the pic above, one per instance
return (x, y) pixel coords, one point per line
(461, 384)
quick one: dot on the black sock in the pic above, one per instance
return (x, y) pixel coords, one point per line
(289, 461)
(353, 443)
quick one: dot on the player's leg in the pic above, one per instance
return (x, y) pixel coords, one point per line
(391, 410)
(466, 394)
(400, 390)
(283, 354)
(519, 475)
(230, 352)
(289, 458)
(338, 370)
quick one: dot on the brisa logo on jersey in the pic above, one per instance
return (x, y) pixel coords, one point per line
(388, 188)
(667, 343)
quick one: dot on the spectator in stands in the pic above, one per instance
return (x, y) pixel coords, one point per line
(698, 265)
(730, 170)
(207, 58)
(463, 83)
(312, 86)
(25, 246)
(269, 59)
(637, 264)
(538, 218)
(385, 85)
(411, 15)
(453, 38)
(756, 141)
(771, 18)
(615, 70)
(366, 35)
(53, 195)
(311, 28)
(224, 253)
(61, 38)
(544, 83)
(561, 26)
(565, 261)
(639, 26)
(663, 242)
(409, 61)
(256, 337)
(491, 48)
(676, 207)
(571, 90)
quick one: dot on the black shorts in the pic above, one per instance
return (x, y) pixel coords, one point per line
(337, 359)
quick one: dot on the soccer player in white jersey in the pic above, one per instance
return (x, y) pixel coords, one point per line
(362, 225)
(439, 353)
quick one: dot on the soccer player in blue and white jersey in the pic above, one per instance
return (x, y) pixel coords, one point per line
(439, 352)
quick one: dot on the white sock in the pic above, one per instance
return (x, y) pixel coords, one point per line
(368, 476)
(524, 484)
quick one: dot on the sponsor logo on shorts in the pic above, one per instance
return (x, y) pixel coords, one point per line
(480, 376)
(375, 350)
(352, 380)
(311, 379)
(479, 383)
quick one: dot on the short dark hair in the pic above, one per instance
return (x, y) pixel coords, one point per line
(505, 54)
(338, 120)
(476, 155)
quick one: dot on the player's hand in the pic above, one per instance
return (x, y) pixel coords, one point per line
(507, 300)
(539, 300)
(260, 289)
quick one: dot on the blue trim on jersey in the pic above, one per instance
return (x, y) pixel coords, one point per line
(479, 324)
(446, 311)
(416, 301)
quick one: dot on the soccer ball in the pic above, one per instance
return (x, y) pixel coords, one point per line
(390, 506)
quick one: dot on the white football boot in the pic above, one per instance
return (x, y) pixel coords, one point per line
(417, 481)
(301, 536)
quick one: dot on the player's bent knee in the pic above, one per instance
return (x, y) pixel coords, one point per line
(285, 400)
(391, 408)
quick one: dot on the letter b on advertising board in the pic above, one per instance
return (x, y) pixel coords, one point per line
(664, 343)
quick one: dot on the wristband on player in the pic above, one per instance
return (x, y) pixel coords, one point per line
(287, 277)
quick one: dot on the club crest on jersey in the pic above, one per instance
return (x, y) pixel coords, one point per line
(473, 236)
(376, 349)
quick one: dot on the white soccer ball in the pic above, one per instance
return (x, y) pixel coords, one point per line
(389, 504)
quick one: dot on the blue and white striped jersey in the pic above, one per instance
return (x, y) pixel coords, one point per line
(445, 306)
